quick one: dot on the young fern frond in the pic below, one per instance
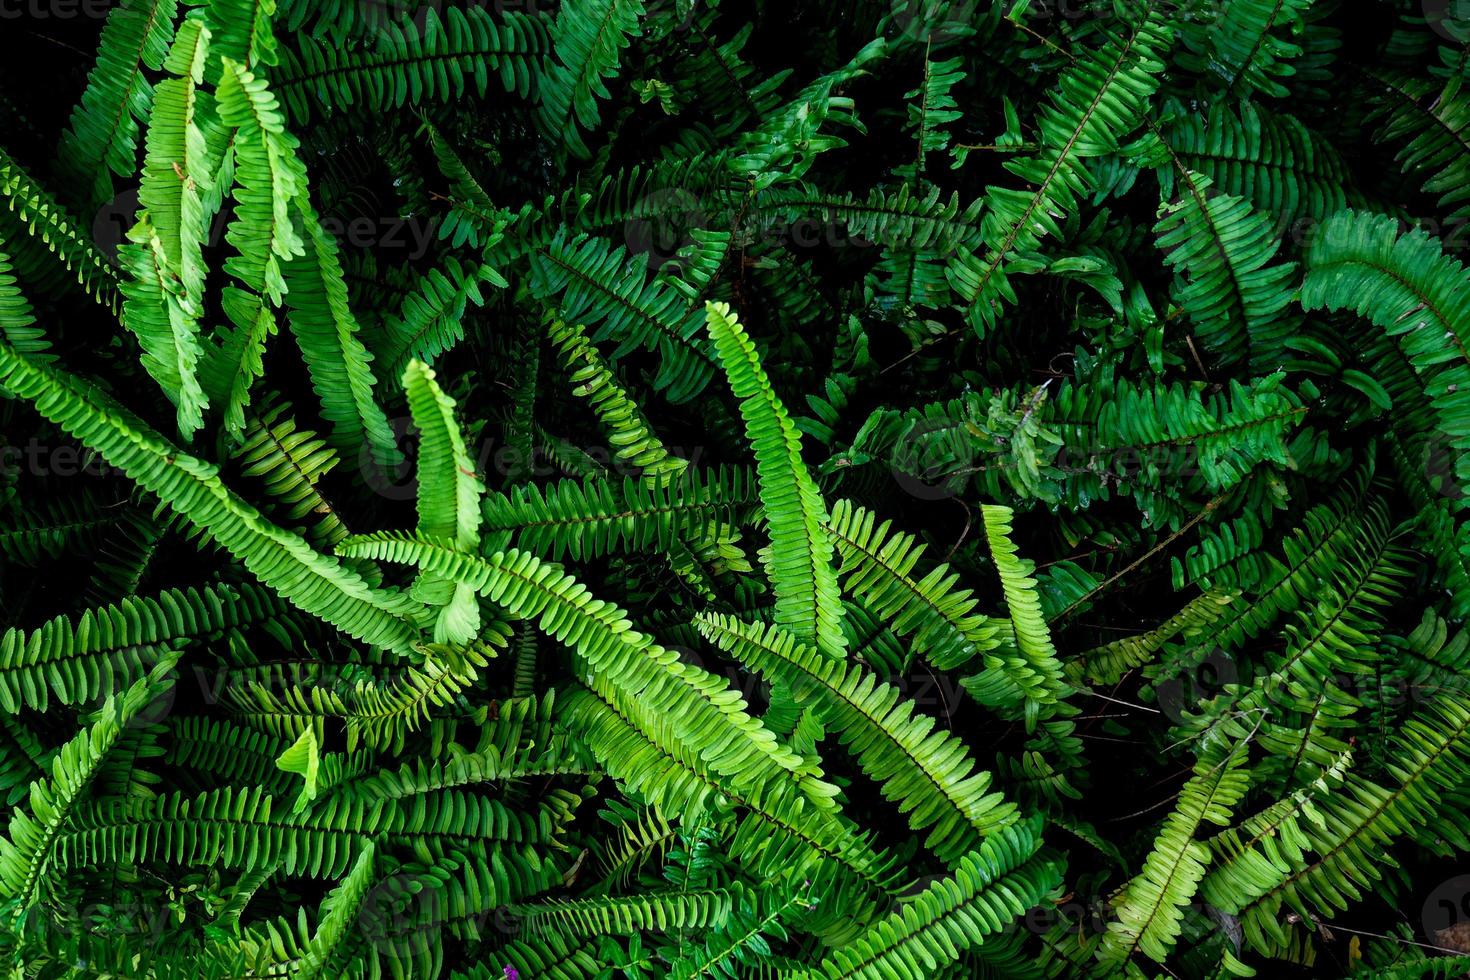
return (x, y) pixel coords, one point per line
(1036, 670)
(629, 433)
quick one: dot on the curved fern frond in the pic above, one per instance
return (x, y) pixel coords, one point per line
(48, 221)
(316, 583)
(704, 710)
(629, 433)
(597, 285)
(1149, 909)
(331, 344)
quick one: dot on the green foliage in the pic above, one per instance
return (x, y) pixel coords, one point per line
(701, 489)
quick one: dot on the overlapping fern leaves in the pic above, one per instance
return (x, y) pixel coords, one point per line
(703, 489)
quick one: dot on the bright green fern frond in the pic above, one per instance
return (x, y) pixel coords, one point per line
(1149, 908)
(448, 500)
(317, 583)
(1038, 672)
(808, 602)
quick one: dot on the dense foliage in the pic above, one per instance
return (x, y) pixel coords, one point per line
(913, 488)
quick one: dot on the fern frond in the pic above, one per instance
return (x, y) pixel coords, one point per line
(990, 887)
(589, 36)
(448, 500)
(317, 583)
(808, 602)
(925, 771)
(102, 138)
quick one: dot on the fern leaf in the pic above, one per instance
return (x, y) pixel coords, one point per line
(808, 602)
